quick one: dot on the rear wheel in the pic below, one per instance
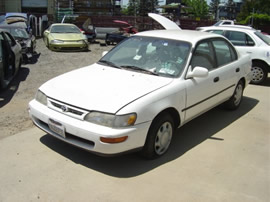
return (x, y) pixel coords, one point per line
(159, 137)
(236, 99)
(259, 73)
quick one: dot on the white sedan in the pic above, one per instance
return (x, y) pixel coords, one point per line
(248, 41)
(141, 91)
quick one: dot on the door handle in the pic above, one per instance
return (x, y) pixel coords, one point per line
(216, 79)
(249, 52)
(237, 69)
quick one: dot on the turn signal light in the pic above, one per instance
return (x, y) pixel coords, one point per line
(113, 140)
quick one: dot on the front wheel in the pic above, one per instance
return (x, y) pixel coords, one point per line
(159, 137)
(236, 99)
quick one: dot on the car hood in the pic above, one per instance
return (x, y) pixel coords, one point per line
(102, 88)
(67, 37)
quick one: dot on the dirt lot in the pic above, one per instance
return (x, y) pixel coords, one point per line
(14, 100)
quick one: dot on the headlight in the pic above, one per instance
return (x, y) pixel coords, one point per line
(111, 120)
(41, 97)
(57, 41)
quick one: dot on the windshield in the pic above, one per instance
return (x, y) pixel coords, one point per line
(162, 57)
(263, 37)
(65, 29)
(19, 33)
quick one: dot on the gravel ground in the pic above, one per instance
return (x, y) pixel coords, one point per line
(48, 64)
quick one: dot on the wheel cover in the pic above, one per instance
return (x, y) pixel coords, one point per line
(163, 138)
(257, 74)
(238, 94)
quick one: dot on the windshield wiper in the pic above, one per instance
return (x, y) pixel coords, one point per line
(108, 63)
(139, 69)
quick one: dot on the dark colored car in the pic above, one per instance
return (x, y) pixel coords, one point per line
(27, 41)
(10, 58)
(125, 32)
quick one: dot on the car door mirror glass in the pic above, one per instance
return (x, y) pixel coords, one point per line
(200, 72)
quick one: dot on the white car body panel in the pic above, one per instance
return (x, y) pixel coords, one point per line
(165, 22)
(121, 87)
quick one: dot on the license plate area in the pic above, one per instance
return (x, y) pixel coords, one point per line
(57, 127)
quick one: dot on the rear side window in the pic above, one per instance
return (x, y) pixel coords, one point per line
(216, 31)
(224, 52)
(239, 38)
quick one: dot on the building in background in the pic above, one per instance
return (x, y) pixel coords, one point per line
(57, 8)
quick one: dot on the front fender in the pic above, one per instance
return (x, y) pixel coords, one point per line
(152, 104)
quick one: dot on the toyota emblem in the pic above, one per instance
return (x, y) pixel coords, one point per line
(64, 108)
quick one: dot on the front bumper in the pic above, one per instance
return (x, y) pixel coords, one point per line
(86, 135)
(69, 46)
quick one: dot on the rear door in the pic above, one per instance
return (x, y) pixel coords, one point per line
(242, 41)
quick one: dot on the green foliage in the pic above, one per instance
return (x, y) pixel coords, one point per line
(141, 7)
(257, 19)
(256, 6)
(197, 8)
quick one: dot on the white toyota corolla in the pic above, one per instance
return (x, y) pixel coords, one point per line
(141, 91)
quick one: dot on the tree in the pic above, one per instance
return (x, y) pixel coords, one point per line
(141, 7)
(197, 8)
(231, 9)
(214, 7)
(253, 6)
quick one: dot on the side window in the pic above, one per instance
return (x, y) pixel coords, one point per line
(239, 38)
(224, 52)
(203, 56)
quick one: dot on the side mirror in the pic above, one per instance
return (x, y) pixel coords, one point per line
(200, 72)
(104, 53)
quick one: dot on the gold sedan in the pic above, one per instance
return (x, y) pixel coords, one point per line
(65, 37)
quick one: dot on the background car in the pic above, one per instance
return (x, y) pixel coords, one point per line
(10, 58)
(27, 41)
(65, 37)
(248, 41)
(123, 33)
(85, 25)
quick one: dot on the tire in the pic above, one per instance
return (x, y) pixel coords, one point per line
(236, 99)
(259, 73)
(159, 137)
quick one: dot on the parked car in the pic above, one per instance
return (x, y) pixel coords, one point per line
(65, 37)
(27, 41)
(249, 41)
(10, 58)
(123, 33)
(140, 92)
(88, 29)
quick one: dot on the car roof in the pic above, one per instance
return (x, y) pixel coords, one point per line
(65, 24)
(229, 27)
(191, 36)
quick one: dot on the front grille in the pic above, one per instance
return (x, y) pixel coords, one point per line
(70, 48)
(66, 108)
